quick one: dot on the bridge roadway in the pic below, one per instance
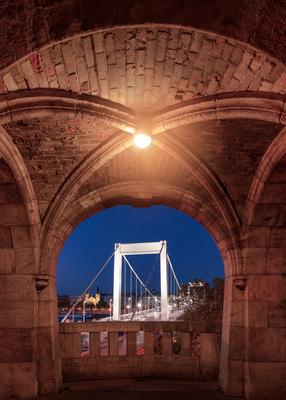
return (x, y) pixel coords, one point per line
(145, 315)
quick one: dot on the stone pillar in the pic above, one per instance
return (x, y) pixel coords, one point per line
(18, 337)
(50, 374)
(19, 307)
(265, 317)
(231, 363)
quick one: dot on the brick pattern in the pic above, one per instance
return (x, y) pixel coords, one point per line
(135, 165)
(147, 67)
(232, 149)
(52, 148)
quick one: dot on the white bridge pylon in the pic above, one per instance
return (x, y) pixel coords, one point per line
(123, 250)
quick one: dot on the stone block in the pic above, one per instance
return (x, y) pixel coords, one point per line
(256, 314)
(14, 214)
(29, 74)
(70, 345)
(17, 346)
(98, 42)
(17, 288)
(150, 53)
(25, 391)
(7, 261)
(131, 344)
(62, 76)
(270, 287)
(266, 215)
(231, 378)
(257, 237)
(266, 345)
(68, 58)
(149, 343)
(113, 344)
(277, 238)
(101, 66)
(22, 237)
(210, 350)
(95, 344)
(255, 260)
(93, 81)
(5, 237)
(276, 260)
(18, 314)
(232, 343)
(265, 380)
(10, 82)
(88, 51)
(161, 46)
(47, 311)
(77, 47)
(276, 315)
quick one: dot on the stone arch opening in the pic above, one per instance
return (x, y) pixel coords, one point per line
(147, 193)
(140, 222)
(99, 223)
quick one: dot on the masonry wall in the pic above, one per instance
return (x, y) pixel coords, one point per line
(138, 349)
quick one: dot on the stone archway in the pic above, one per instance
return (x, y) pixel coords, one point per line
(216, 105)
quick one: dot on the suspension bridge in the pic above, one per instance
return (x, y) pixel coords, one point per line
(132, 297)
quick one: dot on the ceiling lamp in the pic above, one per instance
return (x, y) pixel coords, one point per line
(142, 140)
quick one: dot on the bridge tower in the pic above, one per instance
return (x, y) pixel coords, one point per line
(140, 249)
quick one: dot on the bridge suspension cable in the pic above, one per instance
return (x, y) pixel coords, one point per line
(175, 276)
(138, 278)
(79, 299)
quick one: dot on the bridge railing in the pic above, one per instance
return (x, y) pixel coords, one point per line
(135, 349)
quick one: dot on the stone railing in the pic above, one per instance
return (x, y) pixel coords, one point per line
(135, 349)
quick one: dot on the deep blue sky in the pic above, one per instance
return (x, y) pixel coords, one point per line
(192, 250)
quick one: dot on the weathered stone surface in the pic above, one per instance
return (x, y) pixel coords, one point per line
(198, 64)
(67, 158)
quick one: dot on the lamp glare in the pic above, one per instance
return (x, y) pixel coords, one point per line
(142, 140)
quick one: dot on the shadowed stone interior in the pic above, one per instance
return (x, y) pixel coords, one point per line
(75, 80)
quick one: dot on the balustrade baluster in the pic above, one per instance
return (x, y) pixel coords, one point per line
(131, 343)
(167, 343)
(148, 343)
(113, 344)
(94, 344)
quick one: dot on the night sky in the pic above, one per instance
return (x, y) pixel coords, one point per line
(191, 249)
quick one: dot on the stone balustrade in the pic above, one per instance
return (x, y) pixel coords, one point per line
(136, 349)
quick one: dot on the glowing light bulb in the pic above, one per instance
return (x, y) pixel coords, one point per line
(142, 140)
